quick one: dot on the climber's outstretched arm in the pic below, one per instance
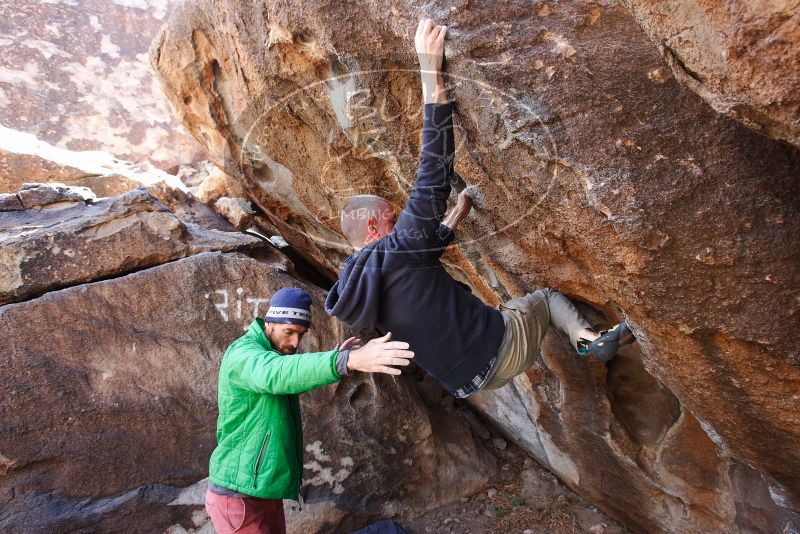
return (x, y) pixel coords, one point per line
(419, 224)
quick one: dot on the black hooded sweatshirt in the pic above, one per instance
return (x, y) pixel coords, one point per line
(397, 284)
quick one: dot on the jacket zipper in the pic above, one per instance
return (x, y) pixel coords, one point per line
(260, 457)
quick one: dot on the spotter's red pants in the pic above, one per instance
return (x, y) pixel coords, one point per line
(245, 516)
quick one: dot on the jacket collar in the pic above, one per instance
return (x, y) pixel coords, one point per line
(258, 332)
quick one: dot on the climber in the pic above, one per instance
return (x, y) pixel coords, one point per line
(258, 460)
(395, 281)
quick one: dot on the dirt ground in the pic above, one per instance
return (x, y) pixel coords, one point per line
(524, 498)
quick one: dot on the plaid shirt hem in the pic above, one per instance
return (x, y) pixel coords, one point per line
(476, 383)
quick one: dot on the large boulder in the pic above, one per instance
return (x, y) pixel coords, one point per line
(109, 410)
(598, 174)
(60, 240)
(17, 169)
(742, 57)
(75, 74)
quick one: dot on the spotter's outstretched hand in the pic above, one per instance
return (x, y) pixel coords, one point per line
(379, 355)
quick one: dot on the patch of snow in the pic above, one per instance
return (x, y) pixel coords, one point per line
(90, 161)
(107, 47)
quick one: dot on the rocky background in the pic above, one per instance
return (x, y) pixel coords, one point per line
(641, 157)
(74, 74)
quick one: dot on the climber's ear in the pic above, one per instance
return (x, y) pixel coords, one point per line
(372, 232)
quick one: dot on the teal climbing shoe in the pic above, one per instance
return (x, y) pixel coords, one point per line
(605, 347)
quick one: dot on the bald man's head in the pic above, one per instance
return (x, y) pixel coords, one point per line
(366, 218)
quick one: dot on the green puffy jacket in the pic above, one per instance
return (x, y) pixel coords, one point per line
(259, 433)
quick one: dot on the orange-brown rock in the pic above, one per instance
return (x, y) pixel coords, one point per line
(598, 174)
(218, 184)
(16, 169)
(106, 176)
(742, 57)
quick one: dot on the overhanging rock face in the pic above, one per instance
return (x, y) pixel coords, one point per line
(741, 57)
(599, 175)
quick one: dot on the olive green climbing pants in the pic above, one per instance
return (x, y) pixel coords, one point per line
(527, 320)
